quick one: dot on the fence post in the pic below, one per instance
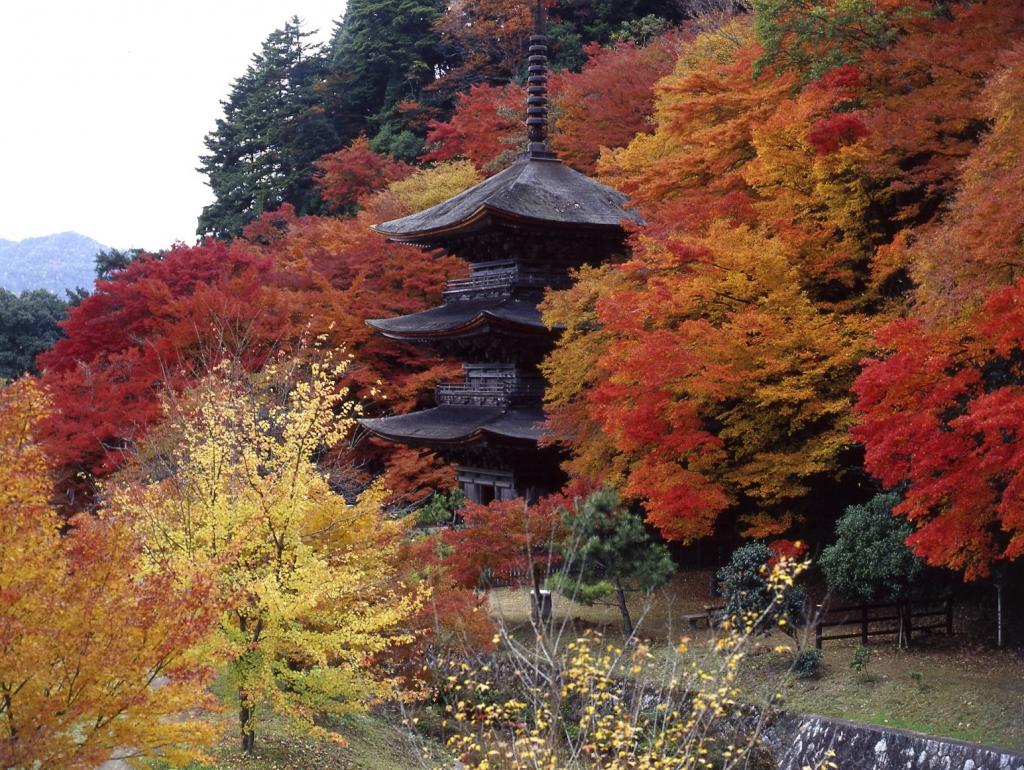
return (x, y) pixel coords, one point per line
(949, 616)
(864, 624)
(817, 626)
(910, 621)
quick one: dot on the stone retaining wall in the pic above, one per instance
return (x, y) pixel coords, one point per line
(800, 741)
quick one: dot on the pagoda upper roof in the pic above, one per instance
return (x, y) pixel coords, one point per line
(463, 318)
(532, 191)
(459, 425)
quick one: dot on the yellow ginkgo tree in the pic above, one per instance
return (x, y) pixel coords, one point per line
(231, 488)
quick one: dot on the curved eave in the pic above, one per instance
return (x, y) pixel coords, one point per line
(459, 426)
(479, 219)
(534, 193)
(465, 318)
(480, 324)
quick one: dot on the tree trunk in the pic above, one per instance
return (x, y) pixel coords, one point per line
(627, 622)
(537, 589)
(540, 610)
(245, 723)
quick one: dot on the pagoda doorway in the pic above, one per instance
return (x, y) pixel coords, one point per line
(485, 485)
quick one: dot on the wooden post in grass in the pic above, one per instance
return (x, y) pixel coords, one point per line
(910, 621)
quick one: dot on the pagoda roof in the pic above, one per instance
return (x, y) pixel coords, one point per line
(458, 425)
(463, 318)
(532, 191)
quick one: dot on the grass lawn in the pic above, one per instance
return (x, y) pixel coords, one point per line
(375, 742)
(660, 617)
(941, 687)
(947, 687)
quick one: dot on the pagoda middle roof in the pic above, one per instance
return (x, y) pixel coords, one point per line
(530, 191)
(458, 425)
(462, 318)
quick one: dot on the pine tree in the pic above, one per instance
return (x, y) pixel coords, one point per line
(384, 52)
(607, 551)
(274, 127)
(111, 261)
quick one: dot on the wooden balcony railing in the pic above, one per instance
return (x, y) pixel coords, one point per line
(490, 392)
(502, 278)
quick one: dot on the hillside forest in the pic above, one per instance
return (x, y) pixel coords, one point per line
(815, 343)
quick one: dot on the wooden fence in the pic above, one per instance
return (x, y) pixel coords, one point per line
(898, 618)
(505, 578)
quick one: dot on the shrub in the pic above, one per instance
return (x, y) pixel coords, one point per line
(440, 509)
(596, 706)
(608, 549)
(808, 664)
(751, 603)
(870, 558)
(861, 658)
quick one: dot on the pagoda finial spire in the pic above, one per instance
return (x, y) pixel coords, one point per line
(537, 88)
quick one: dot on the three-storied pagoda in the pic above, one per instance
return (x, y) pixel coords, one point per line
(522, 231)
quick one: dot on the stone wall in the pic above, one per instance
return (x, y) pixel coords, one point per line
(800, 741)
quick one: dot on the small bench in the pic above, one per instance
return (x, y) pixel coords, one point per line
(697, 619)
(702, 619)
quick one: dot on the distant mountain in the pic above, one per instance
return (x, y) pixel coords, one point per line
(54, 262)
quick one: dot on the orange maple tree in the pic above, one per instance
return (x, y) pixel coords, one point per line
(349, 174)
(712, 371)
(610, 100)
(486, 42)
(93, 646)
(941, 405)
(486, 128)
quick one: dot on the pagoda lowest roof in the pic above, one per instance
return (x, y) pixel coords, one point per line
(537, 191)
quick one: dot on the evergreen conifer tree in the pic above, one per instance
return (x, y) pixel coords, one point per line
(274, 126)
(383, 53)
(609, 550)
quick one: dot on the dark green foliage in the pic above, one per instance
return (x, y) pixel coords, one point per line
(601, 20)
(29, 324)
(440, 509)
(274, 127)
(75, 296)
(640, 31)
(870, 558)
(606, 542)
(112, 260)
(808, 664)
(812, 38)
(298, 102)
(749, 600)
(565, 47)
(608, 549)
(402, 144)
(383, 53)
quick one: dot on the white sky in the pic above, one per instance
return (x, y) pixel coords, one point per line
(104, 105)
